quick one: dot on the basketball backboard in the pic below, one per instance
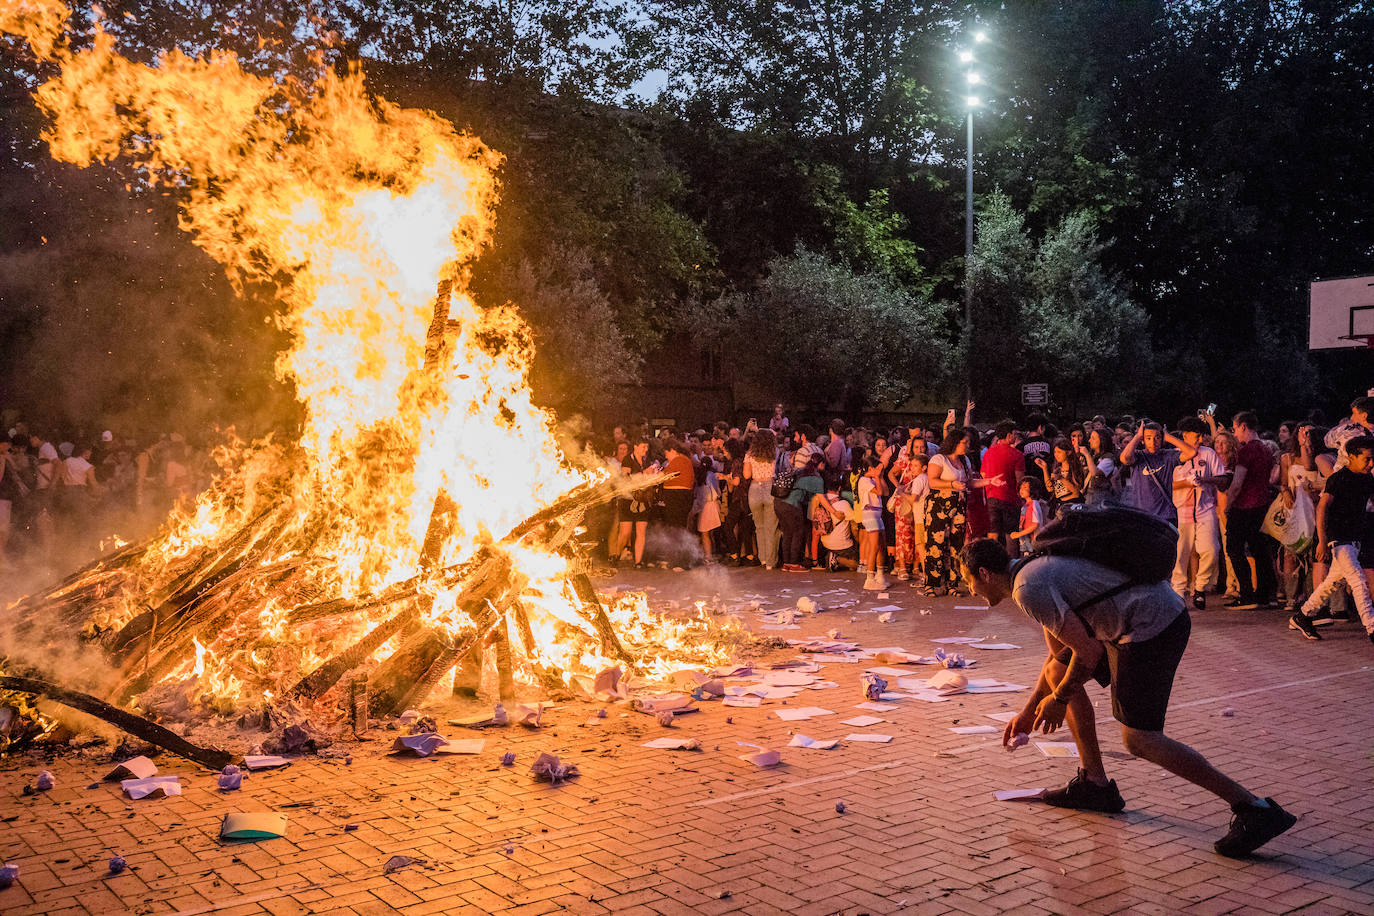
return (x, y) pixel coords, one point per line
(1340, 313)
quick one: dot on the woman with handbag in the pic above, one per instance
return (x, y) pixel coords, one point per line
(951, 476)
(758, 471)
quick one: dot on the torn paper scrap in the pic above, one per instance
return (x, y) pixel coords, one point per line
(788, 679)
(997, 687)
(976, 730)
(876, 707)
(133, 768)
(1000, 716)
(152, 787)
(947, 681)
(890, 672)
(872, 739)
(801, 712)
(422, 745)
(813, 743)
(528, 716)
(654, 703)
(886, 607)
(1055, 749)
(741, 701)
(673, 744)
(992, 645)
(885, 617)
(253, 825)
(837, 659)
(862, 721)
(970, 607)
(1019, 794)
(955, 640)
(548, 768)
(265, 762)
(821, 685)
(761, 756)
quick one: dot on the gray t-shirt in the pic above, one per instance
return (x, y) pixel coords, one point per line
(1048, 588)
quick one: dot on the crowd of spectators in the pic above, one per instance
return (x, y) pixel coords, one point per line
(1250, 501)
(59, 498)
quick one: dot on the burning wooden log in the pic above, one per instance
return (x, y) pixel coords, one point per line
(137, 726)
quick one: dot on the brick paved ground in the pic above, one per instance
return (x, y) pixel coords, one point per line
(645, 831)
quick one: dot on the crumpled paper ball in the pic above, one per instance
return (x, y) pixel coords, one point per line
(45, 781)
(873, 686)
(665, 718)
(117, 864)
(1020, 739)
(8, 875)
(549, 768)
(508, 759)
(230, 778)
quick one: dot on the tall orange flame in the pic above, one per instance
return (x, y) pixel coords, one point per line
(355, 209)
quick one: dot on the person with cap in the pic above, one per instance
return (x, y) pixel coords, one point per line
(1101, 625)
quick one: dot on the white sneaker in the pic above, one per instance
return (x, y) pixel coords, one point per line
(881, 581)
(874, 584)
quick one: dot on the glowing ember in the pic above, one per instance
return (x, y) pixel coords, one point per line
(419, 424)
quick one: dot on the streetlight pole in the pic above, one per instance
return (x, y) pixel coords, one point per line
(973, 78)
(968, 254)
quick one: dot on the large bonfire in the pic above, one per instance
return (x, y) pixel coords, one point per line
(424, 519)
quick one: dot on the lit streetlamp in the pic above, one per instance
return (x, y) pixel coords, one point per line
(973, 78)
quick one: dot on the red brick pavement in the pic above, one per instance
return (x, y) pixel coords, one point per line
(663, 832)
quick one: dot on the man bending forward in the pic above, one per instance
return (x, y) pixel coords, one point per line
(1131, 640)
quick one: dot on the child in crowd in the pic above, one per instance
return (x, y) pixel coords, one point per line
(871, 552)
(1032, 517)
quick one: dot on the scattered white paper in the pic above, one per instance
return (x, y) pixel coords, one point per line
(976, 730)
(1001, 716)
(885, 617)
(1056, 749)
(152, 787)
(835, 659)
(955, 640)
(992, 645)
(862, 721)
(821, 685)
(253, 825)
(750, 702)
(787, 679)
(885, 607)
(462, 746)
(761, 757)
(133, 768)
(801, 712)
(873, 739)
(673, 744)
(813, 743)
(970, 607)
(265, 762)
(876, 707)
(1018, 794)
(930, 696)
(998, 688)
(779, 626)
(889, 672)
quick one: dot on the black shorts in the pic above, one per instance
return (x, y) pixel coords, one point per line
(1003, 517)
(1141, 674)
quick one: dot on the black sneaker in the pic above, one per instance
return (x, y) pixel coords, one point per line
(1252, 827)
(1200, 601)
(1371, 637)
(1323, 617)
(1303, 625)
(1083, 794)
(1240, 604)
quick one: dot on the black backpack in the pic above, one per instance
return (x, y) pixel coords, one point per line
(1134, 543)
(783, 481)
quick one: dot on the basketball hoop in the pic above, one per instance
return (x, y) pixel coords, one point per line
(1366, 339)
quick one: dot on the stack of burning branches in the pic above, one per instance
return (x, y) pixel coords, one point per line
(219, 588)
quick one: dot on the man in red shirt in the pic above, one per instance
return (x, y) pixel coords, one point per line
(1005, 461)
(1246, 502)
